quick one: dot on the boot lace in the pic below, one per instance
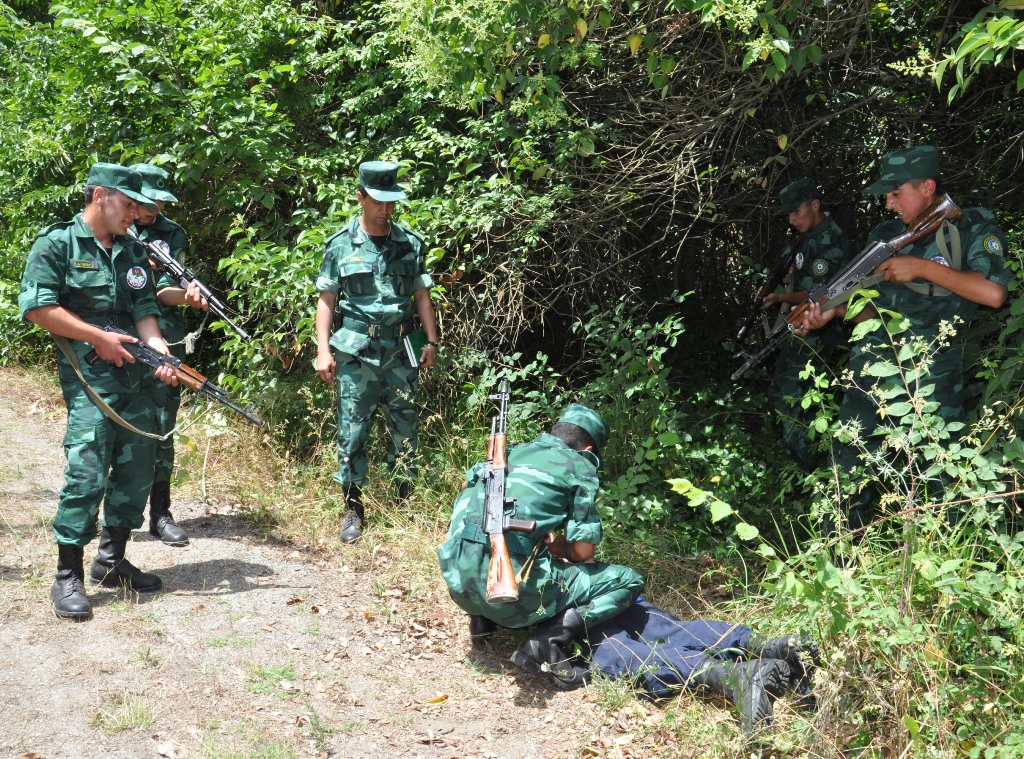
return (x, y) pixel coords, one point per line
(351, 520)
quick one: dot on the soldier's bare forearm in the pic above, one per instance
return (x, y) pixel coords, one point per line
(66, 323)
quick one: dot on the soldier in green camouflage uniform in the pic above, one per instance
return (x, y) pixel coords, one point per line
(822, 249)
(553, 480)
(153, 226)
(372, 278)
(927, 288)
(80, 276)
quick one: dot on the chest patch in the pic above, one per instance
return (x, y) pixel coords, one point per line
(137, 278)
(354, 260)
(798, 262)
(819, 267)
(993, 245)
(940, 260)
(86, 265)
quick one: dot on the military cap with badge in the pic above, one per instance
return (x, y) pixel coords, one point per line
(380, 180)
(114, 176)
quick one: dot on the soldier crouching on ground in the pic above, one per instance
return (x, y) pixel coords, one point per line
(82, 275)
(553, 480)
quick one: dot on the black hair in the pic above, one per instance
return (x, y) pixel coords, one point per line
(87, 193)
(939, 190)
(573, 436)
(360, 188)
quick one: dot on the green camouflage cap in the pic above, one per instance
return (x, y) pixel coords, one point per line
(380, 179)
(155, 182)
(796, 194)
(114, 176)
(922, 162)
(589, 420)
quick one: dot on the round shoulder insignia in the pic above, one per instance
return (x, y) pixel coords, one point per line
(993, 245)
(798, 262)
(940, 260)
(819, 267)
(137, 278)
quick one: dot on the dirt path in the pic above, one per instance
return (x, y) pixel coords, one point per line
(252, 649)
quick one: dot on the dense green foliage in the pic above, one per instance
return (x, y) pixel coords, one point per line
(597, 180)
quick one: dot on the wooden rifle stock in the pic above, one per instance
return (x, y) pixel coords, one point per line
(501, 580)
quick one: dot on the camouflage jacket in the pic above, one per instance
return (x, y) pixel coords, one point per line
(550, 483)
(172, 325)
(982, 245)
(823, 251)
(68, 267)
(373, 285)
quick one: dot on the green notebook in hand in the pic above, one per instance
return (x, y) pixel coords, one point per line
(414, 343)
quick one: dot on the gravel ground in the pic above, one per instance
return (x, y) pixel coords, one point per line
(252, 648)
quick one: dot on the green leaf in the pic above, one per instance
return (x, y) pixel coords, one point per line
(604, 18)
(746, 531)
(814, 54)
(720, 510)
(668, 65)
(881, 369)
(668, 438)
(865, 328)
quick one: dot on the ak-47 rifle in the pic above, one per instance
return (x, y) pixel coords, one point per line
(501, 581)
(160, 254)
(769, 287)
(187, 376)
(850, 277)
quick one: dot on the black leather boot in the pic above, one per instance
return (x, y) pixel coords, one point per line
(161, 523)
(480, 630)
(112, 570)
(352, 524)
(803, 657)
(547, 651)
(404, 491)
(68, 590)
(751, 686)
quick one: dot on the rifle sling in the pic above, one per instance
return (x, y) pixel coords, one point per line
(69, 353)
(951, 253)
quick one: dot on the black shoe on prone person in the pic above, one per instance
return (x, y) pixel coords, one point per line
(546, 651)
(751, 686)
(802, 655)
(110, 569)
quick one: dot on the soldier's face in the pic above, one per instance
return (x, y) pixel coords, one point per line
(118, 210)
(377, 213)
(907, 201)
(147, 217)
(803, 218)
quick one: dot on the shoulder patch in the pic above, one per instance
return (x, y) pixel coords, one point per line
(993, 245)
(819, 267)
(798, 262)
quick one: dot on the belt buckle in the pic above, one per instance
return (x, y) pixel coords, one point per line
(373, 331)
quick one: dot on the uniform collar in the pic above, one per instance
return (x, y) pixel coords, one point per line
(359, 235)
(81, 229)
(820, 229)
(549, 440)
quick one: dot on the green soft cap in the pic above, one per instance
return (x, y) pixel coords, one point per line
(589, 420)
(156, 183)
(922, 162)
(380, 180)
(796, 194)
(114, 176)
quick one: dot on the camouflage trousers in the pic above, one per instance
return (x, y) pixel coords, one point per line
(362, 386)
(599, 591)
(167, 401)
(794, 354)
(106, 463)
(858, 407)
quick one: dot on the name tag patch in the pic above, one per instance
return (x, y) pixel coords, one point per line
(137, 278)
(86, 265)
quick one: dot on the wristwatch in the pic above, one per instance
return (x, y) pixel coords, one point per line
(431, 342)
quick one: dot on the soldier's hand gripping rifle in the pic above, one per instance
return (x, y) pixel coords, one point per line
(186, 375)
(160, 254)
(769, 287)
(501, 581)
(849, 278)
